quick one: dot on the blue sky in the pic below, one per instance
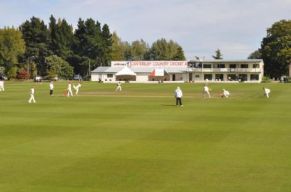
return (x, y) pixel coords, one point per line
(199, 26)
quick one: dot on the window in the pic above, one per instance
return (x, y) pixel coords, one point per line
(194, 65)
(254, 77)
(231, 77)
(219, 77)
(220, 65)
(243, 77)
(197, 76)
(232, 66)
(207, 66)
(256, 66)
(244, 66)
(208, 77)
(109, 75)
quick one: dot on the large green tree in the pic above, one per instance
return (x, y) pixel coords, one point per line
(276, 49)
(12, 46)
(61, 37)
(139, 49)
(92, 45)
(118, 48)
(257, 54)
(57, 67)
(106, 47)
(37, 40)
(165, 50)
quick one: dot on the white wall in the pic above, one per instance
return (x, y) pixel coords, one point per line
(103, 77)
(95, 77)
(142, 77)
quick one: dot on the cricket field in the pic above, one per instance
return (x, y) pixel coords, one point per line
(137, 140)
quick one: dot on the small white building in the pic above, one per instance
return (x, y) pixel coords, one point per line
(251, 70)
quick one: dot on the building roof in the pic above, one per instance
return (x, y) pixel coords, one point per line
(228, 61)
(107, 69)
(138, 69)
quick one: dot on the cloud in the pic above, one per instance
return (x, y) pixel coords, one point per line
(199, 26)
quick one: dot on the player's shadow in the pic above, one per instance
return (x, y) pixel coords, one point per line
(167, 105)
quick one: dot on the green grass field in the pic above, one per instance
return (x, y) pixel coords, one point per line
(138, 140)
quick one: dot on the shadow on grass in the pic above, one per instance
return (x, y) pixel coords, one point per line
(167, 105)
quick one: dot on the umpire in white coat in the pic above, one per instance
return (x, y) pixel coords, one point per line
(178, 96)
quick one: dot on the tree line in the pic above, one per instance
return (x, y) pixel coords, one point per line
(57, 50)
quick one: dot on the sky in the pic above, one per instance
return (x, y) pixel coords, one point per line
(236, 27)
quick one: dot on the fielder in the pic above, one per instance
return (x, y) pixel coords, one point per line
(2, 85)
(69, 90)
(267, 92)
(51, 88)
(118, 88)
(225, 93)
(206, 91)
(31, 99)
(77, 88)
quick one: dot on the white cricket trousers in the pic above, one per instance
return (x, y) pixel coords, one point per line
(31, 99)
(70, 93)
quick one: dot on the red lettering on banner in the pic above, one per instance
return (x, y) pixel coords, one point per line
(158, 64)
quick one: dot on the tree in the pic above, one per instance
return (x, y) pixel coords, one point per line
(127, 51)
(92, 45)
(164, 50)
(180, 54)
(218, 55)
(118, 48)
(12, 72)
(255, 55)
(276, 49)
(37, 39)
(12, 46)
(106, 45)
(139, 48)
(61, 37)
(57, 67)
(23, 74)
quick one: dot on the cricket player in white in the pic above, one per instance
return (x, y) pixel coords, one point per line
(2, 85)
(51, 88)
(178, 96)
(118, 88)
(31, 99)
(206, 91)
(77, 88)
(225, 93)
(69, 89)
(267, 92)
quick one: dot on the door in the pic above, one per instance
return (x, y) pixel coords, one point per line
(173, 77)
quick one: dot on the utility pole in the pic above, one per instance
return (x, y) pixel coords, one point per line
(89, 72)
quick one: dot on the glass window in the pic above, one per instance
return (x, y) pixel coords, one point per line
(244, 66)
(243, 77)
(208, 77)
(232, 77)
(254, 77)
(219, 77)
(232, 66)
(220, 65)
(207, 66)
(256, 66)
(109, 75)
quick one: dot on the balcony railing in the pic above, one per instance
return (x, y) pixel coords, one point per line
(227, 70)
